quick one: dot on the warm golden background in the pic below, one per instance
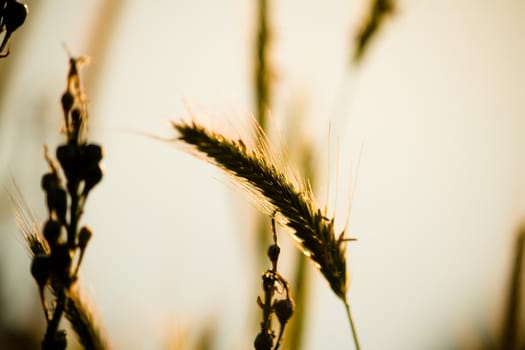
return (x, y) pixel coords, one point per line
(437, 105)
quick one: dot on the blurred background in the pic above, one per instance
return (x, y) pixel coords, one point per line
(423, 102)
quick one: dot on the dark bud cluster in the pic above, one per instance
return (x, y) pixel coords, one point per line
(283, 309)
(51, 231)
(84, 236)
(263, 341)
(57, 342)
(273, 284)
(12, 15)
(56, 196)
(81, 164)
(77, 165)
(40, 269)
(273, 253)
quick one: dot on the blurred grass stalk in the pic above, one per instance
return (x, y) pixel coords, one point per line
(510, 335)
(262, 101)
(263, 89)
(262, 73)
(375, 17)
(377, 12)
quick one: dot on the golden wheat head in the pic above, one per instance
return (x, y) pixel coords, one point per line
(313, 231)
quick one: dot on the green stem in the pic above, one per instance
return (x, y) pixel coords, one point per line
(352, 324)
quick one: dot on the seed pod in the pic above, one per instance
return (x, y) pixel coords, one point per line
(51, 232)
(56, 195)
(93, 153)
(92, 177)
(57, 203)
(15, 15)
(273, 253)
(67, 102)
(284, 309)
(67, 156)
(84, 236)
(263, 341)
(49, 182)
(40, 269)
(61, 258)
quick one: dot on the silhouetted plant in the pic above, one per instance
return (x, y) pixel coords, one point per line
(12, 15)
(58, 255)
(273, 282)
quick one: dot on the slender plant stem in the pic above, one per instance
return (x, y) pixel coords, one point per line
(510, 332)
(279, 338)
(262, 86)
(50, 337)
(352, 324)
(74, 214)
(301, 296)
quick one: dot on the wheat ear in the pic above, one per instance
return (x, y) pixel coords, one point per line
(313, 231)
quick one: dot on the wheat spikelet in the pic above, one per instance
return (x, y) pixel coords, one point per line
(313, 231)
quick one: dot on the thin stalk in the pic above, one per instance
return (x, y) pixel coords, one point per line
(352, 324)
(51, 336)
(267, 310)
(74, 214)
(375, 18)
(262, 87)
(510, 334)
(301, 274)
(301, 296)
(279, 338)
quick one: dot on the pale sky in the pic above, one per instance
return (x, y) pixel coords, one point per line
(437, 107)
